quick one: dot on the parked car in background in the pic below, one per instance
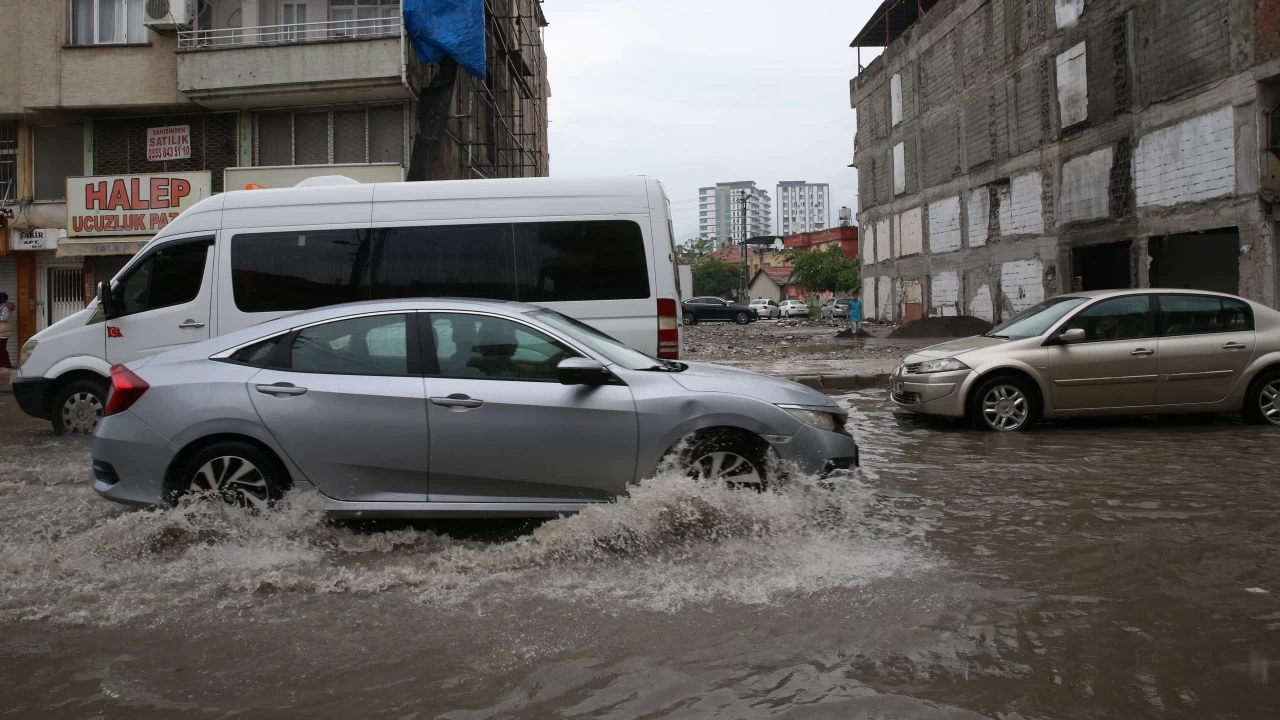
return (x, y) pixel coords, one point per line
(794, 309)
(393, 408)
(599, 249)
(1104, 353)
(766, 308)
(713, 309)
(835, 308)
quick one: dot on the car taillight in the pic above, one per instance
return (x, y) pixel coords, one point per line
(126, 388)
(668, 330)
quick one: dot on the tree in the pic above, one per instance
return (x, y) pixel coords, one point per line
(693, 247)
(713, 276)
(826, 270)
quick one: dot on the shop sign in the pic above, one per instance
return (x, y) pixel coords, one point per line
(168, 143)
(131, 204)
(35, 239)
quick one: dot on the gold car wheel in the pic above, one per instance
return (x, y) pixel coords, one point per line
(1269, 401)
(1005, 407)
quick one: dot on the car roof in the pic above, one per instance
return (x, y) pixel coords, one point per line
(1140, 291)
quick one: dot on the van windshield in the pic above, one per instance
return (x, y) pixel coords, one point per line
(614, 350)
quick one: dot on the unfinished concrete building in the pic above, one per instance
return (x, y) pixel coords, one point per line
(1011, 150)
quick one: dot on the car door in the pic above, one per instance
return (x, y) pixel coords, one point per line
(1115, 365)
(161, 301)
(503, 429)
(1206, 343)
(345, 400)
(715, 309)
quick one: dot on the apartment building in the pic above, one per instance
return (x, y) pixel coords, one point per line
(1011, 150)
(160, 103)
(724, 217)
(803, 207)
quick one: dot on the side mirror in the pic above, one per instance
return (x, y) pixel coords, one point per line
(582, 371)
(1074, 335)
(106, 301)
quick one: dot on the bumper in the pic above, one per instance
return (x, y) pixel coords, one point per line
(34, 395)
(818, 452)
(933, 394)
(138, 457)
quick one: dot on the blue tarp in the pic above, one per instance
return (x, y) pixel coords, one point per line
(447, 28)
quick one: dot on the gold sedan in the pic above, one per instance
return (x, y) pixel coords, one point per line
(1111, 352)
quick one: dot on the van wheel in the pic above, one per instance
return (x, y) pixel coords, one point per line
(78, 407)
(690, 319)
(1262, 403)
(742, 318)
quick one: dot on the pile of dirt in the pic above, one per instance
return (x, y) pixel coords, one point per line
(942, 327)
(847, 334)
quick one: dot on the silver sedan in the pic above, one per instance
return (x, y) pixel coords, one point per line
(445, 408)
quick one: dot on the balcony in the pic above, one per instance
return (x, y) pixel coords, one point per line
(298, 63)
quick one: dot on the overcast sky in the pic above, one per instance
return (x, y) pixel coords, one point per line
(696, 92)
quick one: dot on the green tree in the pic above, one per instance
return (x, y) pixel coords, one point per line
(826, 270)
(693, 247)
(713, 276)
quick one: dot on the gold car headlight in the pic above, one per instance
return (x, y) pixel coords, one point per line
(940, 365)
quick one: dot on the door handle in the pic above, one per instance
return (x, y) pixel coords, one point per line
(1142, 352)
(1234, 346)
(282, 388)
(457, 400)
(191, 324)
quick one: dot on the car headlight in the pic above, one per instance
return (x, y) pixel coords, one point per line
(816, 418)
(27, 348)
(940, 365)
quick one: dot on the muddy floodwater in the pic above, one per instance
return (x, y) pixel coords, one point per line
(1113, 569)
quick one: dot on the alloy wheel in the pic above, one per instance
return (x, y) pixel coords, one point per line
(742, 319)
(235, 480)
(1005, 407)
(1269, 401)
(728, 467)
(81, 413)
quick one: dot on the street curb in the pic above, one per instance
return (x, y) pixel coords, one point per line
(843, 382)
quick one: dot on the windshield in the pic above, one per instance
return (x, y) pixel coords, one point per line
(1037, 319)
(610, 348)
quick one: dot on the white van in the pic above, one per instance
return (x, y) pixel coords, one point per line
(600, 250)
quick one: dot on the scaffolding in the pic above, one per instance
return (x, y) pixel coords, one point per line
(499, 123)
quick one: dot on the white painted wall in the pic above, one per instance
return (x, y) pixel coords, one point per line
(895, 99)
(944, 225)
(1021, 210)
(979, 216)
(980, 306)
(884, 303)
(912, 294)
(899, 169)
(883, 240)
(908, 233)
(1073, 86)
(1067, 12)
(1192, 161)
(1086, 186)
(944, 293)
(868, 295)
(1022, 282)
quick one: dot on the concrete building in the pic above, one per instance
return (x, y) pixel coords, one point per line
(1011, 150)
(773, 283)
(844, 236)
(282, 89)
(721, 217)
(803, 207)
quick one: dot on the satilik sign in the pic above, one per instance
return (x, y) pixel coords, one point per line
(131, 204)
(168, 143)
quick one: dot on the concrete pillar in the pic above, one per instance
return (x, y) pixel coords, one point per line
(251, 20)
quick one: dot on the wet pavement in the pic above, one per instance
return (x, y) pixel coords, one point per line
(1106, 569)
(798, 347)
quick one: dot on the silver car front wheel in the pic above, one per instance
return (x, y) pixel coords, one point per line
(727, 467)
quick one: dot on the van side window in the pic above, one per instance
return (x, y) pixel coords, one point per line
(299, 269)
(444, 261)
(169, 276)
(588, 260)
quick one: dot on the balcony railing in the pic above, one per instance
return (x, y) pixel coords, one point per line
(292, 33)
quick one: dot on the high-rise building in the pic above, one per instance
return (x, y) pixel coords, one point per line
(721, 217)
(803, 207)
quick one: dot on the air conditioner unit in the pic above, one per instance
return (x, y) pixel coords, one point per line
(168, 14)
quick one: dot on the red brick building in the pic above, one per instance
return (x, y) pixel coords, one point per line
(846, 236)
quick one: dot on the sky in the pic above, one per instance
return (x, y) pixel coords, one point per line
(695, 92)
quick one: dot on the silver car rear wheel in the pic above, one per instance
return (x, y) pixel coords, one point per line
(1005, 407)
(234, 479)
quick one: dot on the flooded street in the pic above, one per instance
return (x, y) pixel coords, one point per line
(1117, 568)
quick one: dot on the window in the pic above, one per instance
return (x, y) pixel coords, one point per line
(1037, 319)
(258, 353)
(484, 346)
(120, 145)
(107, 22)
(1122, 318)
(322, 137)
(371, 345)
(1200, 314)
(169, 276)
(8, 162)
(565, 261)
(444, 261)
(298, 270)
(364, 18)
(59, 154)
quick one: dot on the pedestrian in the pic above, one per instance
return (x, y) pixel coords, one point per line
(8, 314)
(855, 313)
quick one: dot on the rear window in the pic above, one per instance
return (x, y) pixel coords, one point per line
(566, 261)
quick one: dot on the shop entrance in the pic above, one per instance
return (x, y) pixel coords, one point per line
(63, 292)
(1208, 260)
(1102, 267)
